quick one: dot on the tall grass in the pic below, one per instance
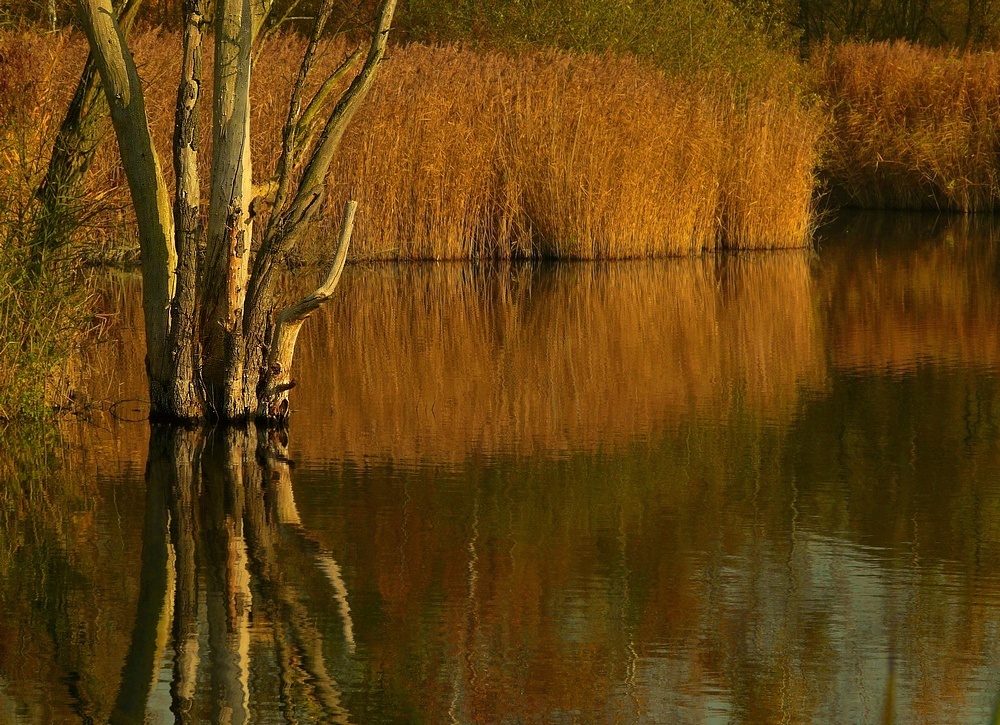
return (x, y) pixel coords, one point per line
(913, 127)
(40, 311)
(461, 153)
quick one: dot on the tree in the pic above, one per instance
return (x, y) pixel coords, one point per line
(217, 347)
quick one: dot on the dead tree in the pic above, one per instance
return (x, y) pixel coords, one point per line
(217, 344)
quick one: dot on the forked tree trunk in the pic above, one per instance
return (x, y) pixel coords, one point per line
(230, 224)
(216, 346)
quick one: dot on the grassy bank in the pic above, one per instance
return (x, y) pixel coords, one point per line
(465, 154)
(40, 294)
(912, 127)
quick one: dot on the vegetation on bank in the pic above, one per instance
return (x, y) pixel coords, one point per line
(485, 153)
(42, 296)
(460, 153)
(464, 154)
(911, 127)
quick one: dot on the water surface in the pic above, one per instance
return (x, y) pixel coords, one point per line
(750, 488)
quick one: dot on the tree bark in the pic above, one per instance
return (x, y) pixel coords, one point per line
(185, 396)
(230, 223)
(123, 91)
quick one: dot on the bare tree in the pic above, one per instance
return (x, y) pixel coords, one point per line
(217, 345)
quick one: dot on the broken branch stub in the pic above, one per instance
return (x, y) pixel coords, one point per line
(277, 380)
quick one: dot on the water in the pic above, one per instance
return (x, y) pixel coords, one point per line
(756, 488)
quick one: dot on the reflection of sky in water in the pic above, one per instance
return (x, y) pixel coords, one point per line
(706, 490)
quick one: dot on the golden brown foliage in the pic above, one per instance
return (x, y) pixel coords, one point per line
(461, 153)
(913, 127)
(470, 154)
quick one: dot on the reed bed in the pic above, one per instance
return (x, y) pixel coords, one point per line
(912, 127)
(462, 154)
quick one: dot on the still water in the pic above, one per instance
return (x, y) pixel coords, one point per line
(754, 488)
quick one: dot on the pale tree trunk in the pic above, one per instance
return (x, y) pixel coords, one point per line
(123, 91)
(230, 224)
(215, 348)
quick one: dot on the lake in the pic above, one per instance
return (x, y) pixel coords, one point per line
(736, 488)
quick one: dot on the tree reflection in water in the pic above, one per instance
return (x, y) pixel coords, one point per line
(214, 592)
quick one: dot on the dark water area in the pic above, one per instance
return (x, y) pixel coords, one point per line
(748, 488)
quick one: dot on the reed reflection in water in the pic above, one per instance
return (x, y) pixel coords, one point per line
(728, 488)
(437, 362)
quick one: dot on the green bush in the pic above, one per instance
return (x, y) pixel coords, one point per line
(748, 40)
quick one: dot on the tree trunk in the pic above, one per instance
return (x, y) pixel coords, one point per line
(185, 399)
(123, 92)
(73, 151)
(230, 224)
(215, 347)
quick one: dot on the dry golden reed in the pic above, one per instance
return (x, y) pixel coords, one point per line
(472, 154)
(913, 127)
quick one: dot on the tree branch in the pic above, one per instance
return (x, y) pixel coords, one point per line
(286, 160)
(308, 120)
(73, 149)
(285, 224)
(319, 164)
(277, 380)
